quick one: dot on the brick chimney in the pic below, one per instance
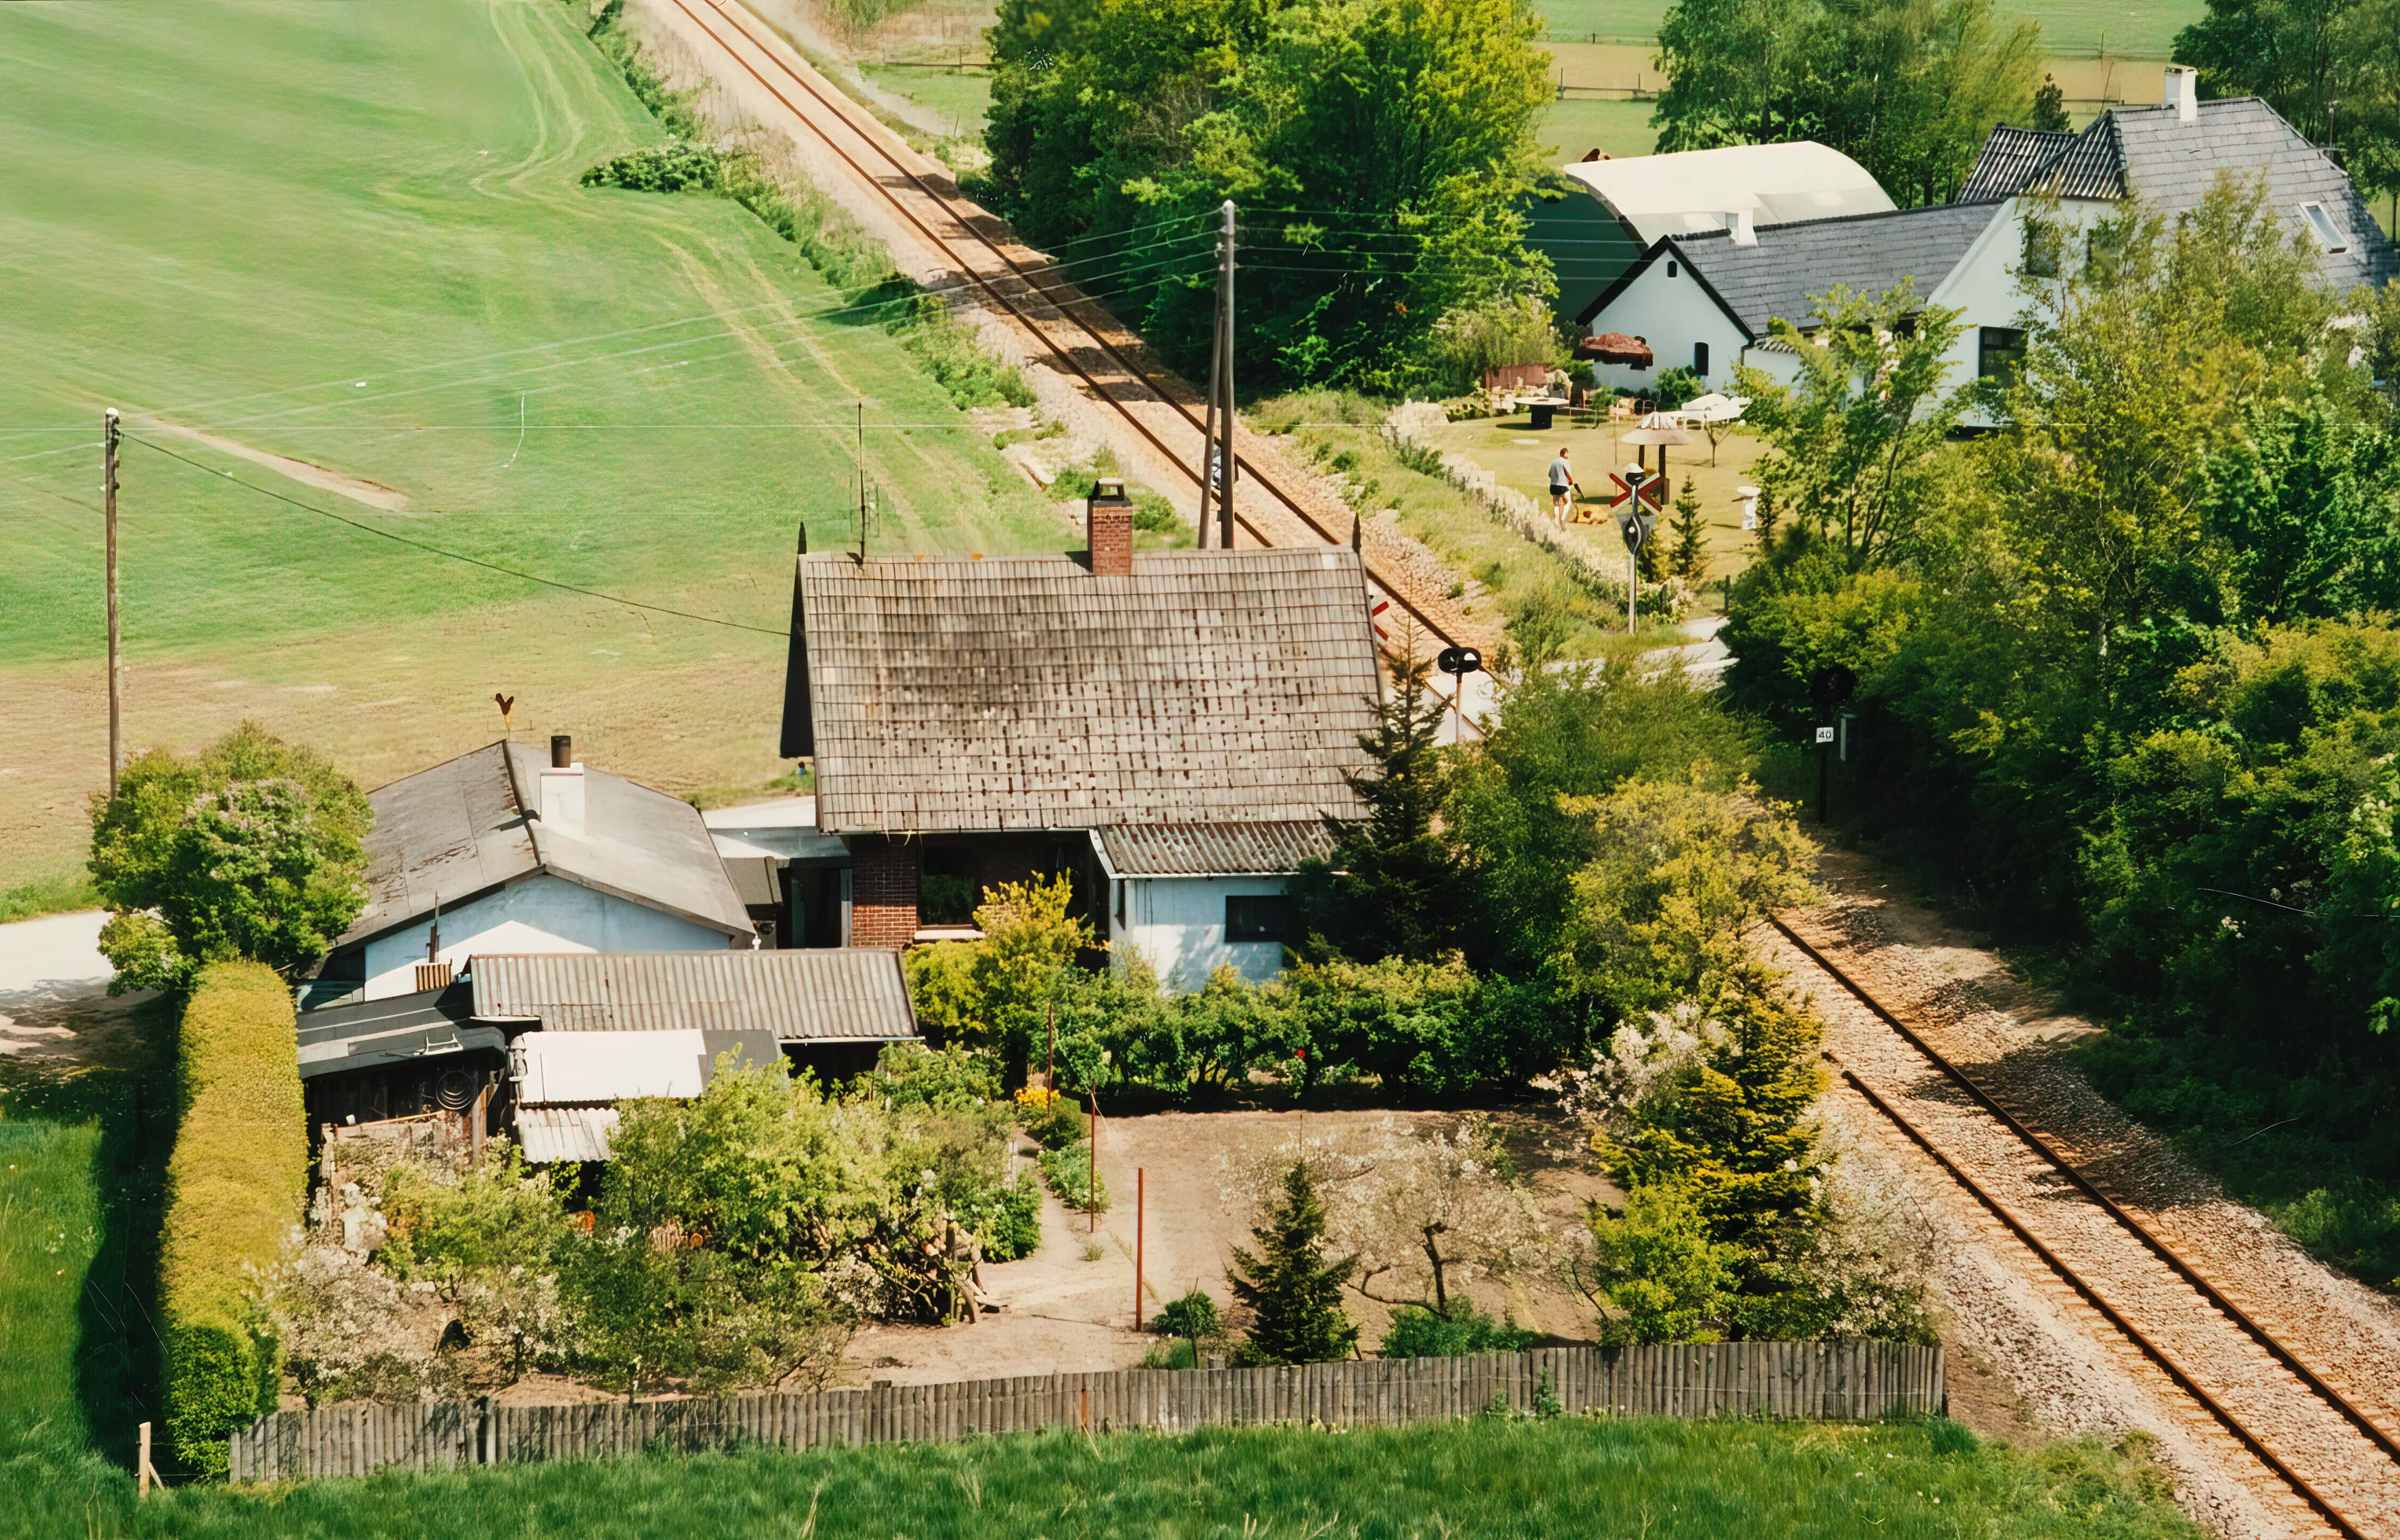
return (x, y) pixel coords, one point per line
(1108, 524)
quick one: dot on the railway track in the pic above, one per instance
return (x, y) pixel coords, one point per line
(2305, 1438)
(1019, 287)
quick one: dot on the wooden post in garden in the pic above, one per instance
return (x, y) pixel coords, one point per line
(1141, 1202)
(1092, 1177)
(142, 1466)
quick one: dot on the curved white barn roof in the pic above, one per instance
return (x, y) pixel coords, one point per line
(1693, 190)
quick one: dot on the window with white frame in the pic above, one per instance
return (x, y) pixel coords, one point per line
(2321, 225)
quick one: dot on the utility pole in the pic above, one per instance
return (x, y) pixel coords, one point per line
(862, 483)
(1216, 448)
(1225, 351)
(108, 436)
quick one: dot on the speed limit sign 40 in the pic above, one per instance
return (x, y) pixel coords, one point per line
(1824, 735)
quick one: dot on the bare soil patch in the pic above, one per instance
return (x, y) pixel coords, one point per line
(382, 498)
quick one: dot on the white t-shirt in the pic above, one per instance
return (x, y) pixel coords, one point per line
(1561, 474)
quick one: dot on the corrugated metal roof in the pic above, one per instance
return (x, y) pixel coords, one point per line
(1213, 850)
(460, 829)
(2009, 159)
(358, 1034)
(549, 1134)
(845, 994)
(1031, 694)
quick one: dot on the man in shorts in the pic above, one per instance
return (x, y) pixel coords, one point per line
(1563, 488)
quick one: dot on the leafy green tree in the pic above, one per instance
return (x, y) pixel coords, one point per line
(2305, 57)
(251, 849)
(1568, 733)
(1690, 561)
(1906, 88)
(1676, 385)
(1123, 124)
(1854, 445)
(1293, 1294)
(1676, 875)
(1654, 1270)
(2050, 107)
(2306, 505)
(1392, 887)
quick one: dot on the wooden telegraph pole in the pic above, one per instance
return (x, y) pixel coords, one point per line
(108, 436)
(1216, 451)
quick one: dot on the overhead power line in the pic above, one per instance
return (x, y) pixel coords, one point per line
(452, 555)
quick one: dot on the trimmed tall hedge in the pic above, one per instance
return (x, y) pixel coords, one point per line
(234, 1189)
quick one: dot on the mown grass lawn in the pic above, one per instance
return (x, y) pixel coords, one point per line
(352, 236)
(1655, 1479)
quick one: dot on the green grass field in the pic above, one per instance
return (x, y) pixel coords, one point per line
(1657, 1480)
(352, 236)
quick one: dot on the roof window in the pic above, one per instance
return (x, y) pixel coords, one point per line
(2321, 225)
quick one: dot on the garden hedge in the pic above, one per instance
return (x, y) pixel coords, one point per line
(234, 1189)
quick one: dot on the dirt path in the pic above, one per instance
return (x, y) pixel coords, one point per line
(382, 498)
(54, 999)
(1063, 1312)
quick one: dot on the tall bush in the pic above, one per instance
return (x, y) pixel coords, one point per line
(235, 1183)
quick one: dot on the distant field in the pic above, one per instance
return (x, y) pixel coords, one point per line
(2142, 29)
(350, 235)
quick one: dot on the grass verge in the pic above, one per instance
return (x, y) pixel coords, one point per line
(1659, 1480)
(49, 896)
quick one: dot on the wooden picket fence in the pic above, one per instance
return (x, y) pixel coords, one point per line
(1850, 1380)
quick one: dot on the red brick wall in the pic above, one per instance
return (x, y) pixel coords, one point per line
(1111, 539)
(884, 892)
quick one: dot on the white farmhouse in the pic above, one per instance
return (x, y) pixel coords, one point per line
(497, 851)
(1704, 300)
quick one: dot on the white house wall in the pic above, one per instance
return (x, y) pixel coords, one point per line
(542, 913)
(1177, 923)
(1671, 314)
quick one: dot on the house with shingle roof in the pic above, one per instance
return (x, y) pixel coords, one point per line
(1167, 728)
(1706, 299)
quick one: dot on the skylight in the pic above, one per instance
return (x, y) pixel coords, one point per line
(2321, 225)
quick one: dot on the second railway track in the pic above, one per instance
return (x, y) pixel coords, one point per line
(905, 191)
(2267, 1393)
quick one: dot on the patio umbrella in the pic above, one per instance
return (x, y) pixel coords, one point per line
(1659, 429)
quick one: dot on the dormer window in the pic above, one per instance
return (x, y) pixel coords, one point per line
(2321, 225)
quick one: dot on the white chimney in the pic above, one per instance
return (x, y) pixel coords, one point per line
(1738, 221)
(562, 788)
(2183, 92)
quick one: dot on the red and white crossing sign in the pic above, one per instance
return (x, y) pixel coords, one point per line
(1650, 489)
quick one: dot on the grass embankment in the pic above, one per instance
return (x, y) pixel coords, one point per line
(81, 1167)
(353, 236)
(49, 896)
(1657, 1480)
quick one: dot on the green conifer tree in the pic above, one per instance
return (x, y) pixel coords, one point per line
(1293, 1293)
(1393, 887)
(1652, 564)
(1690, 559)
(2049, 106)
(1766, 517)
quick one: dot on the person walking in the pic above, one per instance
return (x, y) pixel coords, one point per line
(1563, 488)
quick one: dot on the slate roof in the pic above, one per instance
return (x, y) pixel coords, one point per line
(1213, 850)
(1777, 276)
(2009, 159)
(2151, 154)
(459, 829)
(950, 696)
(830, 995)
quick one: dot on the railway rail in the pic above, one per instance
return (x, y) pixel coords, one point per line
(777, 77)
(2363, 1475)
